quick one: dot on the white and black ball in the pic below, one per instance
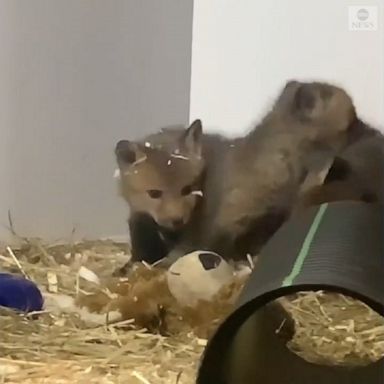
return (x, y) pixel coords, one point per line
(198, 276)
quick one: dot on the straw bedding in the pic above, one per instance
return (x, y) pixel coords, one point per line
(61, 345)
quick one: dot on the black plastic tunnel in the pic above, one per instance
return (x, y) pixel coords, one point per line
(337, 247)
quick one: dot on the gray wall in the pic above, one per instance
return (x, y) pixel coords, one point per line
(75, 77)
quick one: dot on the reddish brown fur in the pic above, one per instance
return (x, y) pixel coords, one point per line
(174, 160)
(168, 165)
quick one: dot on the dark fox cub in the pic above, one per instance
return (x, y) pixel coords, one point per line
(356, 174)
(161, 178)
(262, 176)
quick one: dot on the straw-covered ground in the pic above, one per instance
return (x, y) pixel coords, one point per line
(61, 345)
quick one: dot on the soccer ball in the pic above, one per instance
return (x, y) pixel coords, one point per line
(198, 276)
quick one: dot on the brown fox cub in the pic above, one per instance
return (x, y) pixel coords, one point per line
(248, 185)
(357, 173)
(161, 178)
(260, 178)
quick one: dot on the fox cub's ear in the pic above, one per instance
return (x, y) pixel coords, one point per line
(128, 152)
(191, 141)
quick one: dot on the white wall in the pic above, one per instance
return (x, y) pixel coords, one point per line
(244, 50)
(75, 77)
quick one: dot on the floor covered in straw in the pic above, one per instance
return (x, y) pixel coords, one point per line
(62, 347)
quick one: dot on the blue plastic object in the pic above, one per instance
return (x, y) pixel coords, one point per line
(19, 293)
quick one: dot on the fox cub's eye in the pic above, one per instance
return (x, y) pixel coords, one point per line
(155, 193)
(187, 190)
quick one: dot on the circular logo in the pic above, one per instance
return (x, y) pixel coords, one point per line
(362, 14)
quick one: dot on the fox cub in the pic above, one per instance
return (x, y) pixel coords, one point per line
(259, 179)
(161, 179)
(188, 190)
